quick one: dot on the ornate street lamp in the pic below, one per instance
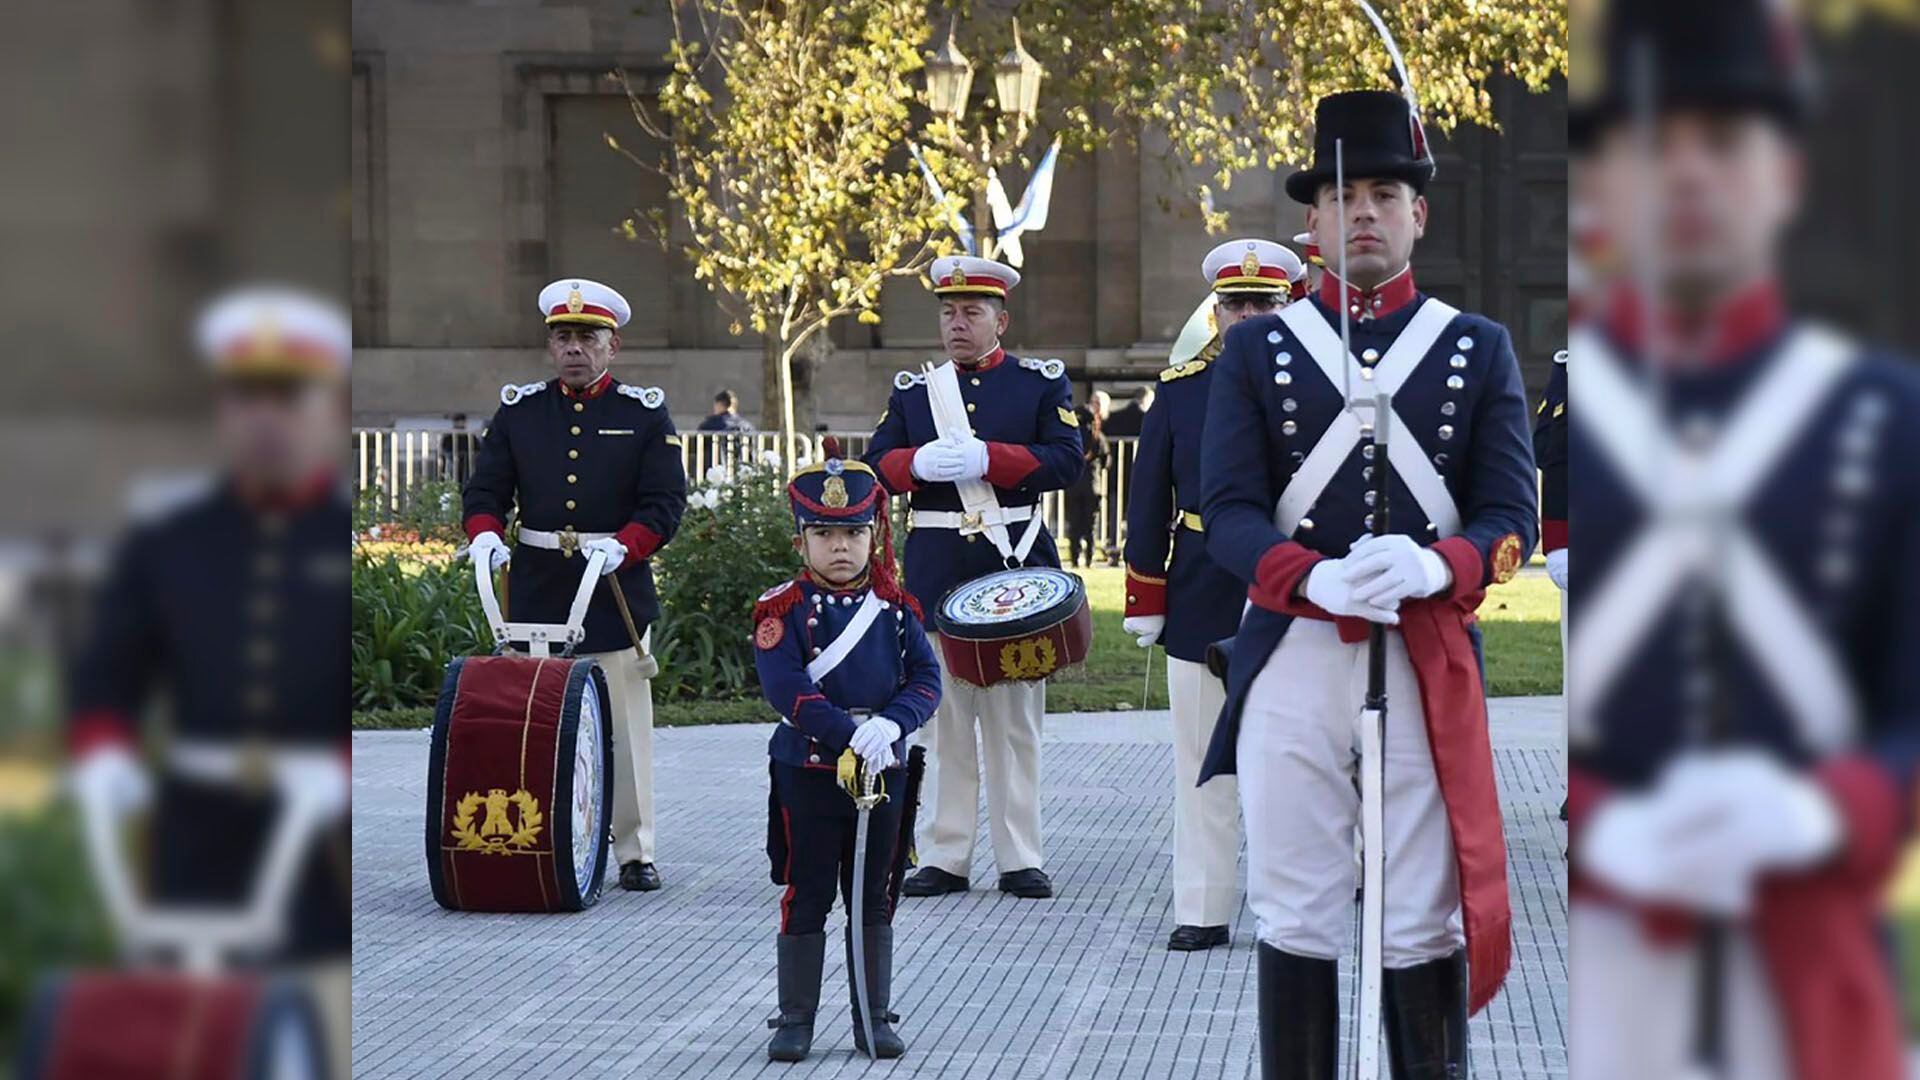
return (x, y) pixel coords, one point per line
(1016, 80)
(949, 78)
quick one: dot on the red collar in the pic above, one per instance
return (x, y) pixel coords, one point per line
(593, 389)
(987, 362)
(300, 496)
(1734, 328)
(1376, 303)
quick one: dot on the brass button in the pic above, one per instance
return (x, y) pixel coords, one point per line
(572, 479)
(976, 380)
(261, 653)
(266, 565)
(262, 607)
(573, 453)
(579, 406)
(570, 504)
(1132, 599)
(576, 429)
(971, 537)
(259, 698)
(971, 406)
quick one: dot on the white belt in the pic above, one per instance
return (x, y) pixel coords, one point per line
(566, 540)
(970, 522)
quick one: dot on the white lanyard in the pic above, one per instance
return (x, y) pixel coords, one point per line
(830, 657)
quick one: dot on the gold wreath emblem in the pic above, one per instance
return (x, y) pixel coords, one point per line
(1250, 265)
(1028, 658)
(497, 834)
(835, 493)
(575, 302)
(1506, 559)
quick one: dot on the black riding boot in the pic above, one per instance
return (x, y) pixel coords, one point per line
(1299, 1016)
(801, 958)
(879, 945)
(1427, 1019)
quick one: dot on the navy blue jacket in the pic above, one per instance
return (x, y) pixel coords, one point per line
(1469, 416)
(606, 460)
(1838, 519)
(1023, 410)
(1200, 599)
(891, 672)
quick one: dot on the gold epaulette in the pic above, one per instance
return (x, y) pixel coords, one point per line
(1181, 371)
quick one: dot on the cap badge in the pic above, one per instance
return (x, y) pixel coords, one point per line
(835, 466)
(1250, 265)
(835, 493)
(574, 302)
(958, 278)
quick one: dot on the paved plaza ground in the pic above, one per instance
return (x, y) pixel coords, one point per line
(678, 983)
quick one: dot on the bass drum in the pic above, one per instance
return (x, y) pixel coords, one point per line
(115, 1025)
(519, 785)
(1017, 625)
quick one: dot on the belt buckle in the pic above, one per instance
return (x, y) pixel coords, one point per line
(972, 521)
(569, 542)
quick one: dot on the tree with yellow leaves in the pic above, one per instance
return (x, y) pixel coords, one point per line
(781, 123)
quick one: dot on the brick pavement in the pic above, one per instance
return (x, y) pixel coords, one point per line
(678, 983)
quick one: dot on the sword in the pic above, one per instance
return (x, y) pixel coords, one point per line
(867, 792)
(1373, 715)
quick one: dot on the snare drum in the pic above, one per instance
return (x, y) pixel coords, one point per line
(518, 787)
(106, 1024)
(1017, 625)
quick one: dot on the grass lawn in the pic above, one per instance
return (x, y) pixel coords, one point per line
(1521, 620)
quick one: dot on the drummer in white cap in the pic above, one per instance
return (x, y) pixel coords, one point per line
(1025, 439)
(590, 463)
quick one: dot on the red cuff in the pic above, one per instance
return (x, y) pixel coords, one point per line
(1585, 793)
(639, 541)
(1279, 572)
(1009, 463)
(98, 729)
(1553, 535)
(896, 468)
(1468, 565)
(1145, 595)
(1869, 802)
(481, 523)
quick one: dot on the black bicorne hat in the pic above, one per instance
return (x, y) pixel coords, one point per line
(1381, 140)
(1738, 55)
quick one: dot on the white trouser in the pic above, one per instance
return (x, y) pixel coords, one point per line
(1299, 751)
(1640, 995)
(1009, 732)
(631, 696)
(1206, 820)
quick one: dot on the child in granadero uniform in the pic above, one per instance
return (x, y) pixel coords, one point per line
(843, 659)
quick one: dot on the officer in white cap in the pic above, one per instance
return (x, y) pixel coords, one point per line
(1187, 602)
(1024, 440)
(592, 464)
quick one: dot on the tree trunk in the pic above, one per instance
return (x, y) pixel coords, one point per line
(806, 367)
(772, 404)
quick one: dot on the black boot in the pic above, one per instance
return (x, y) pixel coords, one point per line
(1299, 1016)
(879, 945)
(801, 958)
(1427, 1019)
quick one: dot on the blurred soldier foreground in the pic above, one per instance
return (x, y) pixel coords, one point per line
(1745, 635)
(233, 609)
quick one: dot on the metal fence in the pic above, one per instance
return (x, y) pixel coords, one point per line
(401, 464)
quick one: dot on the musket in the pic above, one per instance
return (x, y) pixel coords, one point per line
(864, 786)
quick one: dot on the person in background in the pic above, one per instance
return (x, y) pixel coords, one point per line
(726, 415)
(1083, 496)
(1127, 420)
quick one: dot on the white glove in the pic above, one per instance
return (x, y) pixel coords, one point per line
(1631, 846)
(320, 779)
(974, 454)
(940, 461)
(1328, 589)
(616, 552)
(1557, 568)
(1146, 629)
(873, 740)
(1384, 570)
(1752, 808)
(110, 778)
(492, 547)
